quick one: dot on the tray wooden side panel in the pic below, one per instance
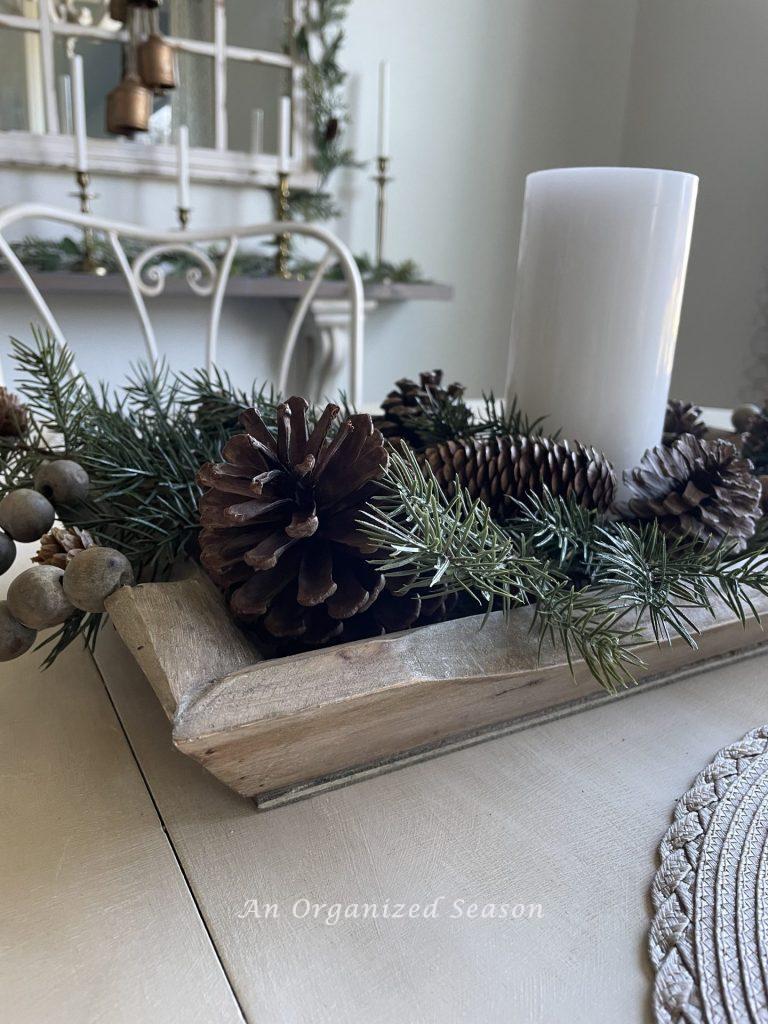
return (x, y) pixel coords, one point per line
(280, 724)
(181, 636)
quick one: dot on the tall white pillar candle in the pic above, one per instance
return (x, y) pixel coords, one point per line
(182, 165)
(257, 131)
(384, 83)
(284, 135)
(599, 290)
(78, 110)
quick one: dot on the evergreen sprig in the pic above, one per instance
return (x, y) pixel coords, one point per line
(141, 446)
(317, 44)
(453, 544)
(596, 584)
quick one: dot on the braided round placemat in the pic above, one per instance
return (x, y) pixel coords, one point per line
(709, 937)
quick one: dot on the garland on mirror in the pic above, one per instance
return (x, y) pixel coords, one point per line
(317, 45)
(323, 525)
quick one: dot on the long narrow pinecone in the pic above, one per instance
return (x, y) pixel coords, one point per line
(682, 418)
(280, 532)
(698, 489)
(503, 469)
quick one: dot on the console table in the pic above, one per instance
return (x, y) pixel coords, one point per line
(137, 889)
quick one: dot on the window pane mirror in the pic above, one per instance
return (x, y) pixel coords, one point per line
(231, 61)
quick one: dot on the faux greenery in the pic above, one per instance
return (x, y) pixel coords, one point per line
(45, 255)
(141, 447)
(596, 586)
(317, 44)
(595, 583)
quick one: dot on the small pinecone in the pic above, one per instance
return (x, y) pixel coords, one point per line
(682, 418)
(61, 545)
(14, 418)
(280, 532)
(404, 408)
(754, 441)
(698, 489)
(504, 468)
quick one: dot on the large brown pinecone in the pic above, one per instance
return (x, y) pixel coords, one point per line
(61, 545)
(280, 533)
(754, 441)
(500, 469)
(698, 489)
(14, 418)
(406, 409)
(682, 418)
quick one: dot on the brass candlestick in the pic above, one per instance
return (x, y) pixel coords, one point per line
(183, 213)
(88, 264)
(282, 193)
(382, 179)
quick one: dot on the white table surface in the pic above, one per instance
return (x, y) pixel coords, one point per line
(126, 871)
(124, 867)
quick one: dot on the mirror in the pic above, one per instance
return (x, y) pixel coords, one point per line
(249, 36)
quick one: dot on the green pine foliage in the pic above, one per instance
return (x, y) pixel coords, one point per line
(141, 446)
(595, 583)
(597, 586)
(317, 44)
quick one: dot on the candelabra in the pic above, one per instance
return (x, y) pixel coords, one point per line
(183, 213)
(282, 193)
(88, 264)
(382, 179)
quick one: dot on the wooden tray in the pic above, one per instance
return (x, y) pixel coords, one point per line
(282, 729)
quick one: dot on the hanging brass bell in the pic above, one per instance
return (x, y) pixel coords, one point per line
(118, 9)
(129, 106)
(156, 63)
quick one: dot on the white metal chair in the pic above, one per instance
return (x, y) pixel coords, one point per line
(145, 276)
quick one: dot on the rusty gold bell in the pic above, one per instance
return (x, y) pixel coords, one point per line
(129, 106)
(156, 63)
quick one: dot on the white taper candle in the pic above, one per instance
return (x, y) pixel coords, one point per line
(182, 155)
(64, 89)
(78, 110)
(284, 135)
(257, 131)
(384, 87)
(599, 290)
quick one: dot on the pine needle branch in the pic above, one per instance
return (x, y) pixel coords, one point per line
(429, 540)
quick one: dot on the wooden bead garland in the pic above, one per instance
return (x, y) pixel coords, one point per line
(63, 482)
(37, 599)
(15, 639)
(93, 575)
(46, 595)
(26, 515)
(7, 553)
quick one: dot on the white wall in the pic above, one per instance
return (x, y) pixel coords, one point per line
(482, 94)
(698, 102)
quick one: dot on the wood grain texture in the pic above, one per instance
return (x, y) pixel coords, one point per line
(281, 724)
(181, 636)
(568, 814)
(98, 923)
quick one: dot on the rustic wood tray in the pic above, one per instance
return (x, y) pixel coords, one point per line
(282, 729)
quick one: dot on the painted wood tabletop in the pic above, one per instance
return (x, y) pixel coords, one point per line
(131, 879)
